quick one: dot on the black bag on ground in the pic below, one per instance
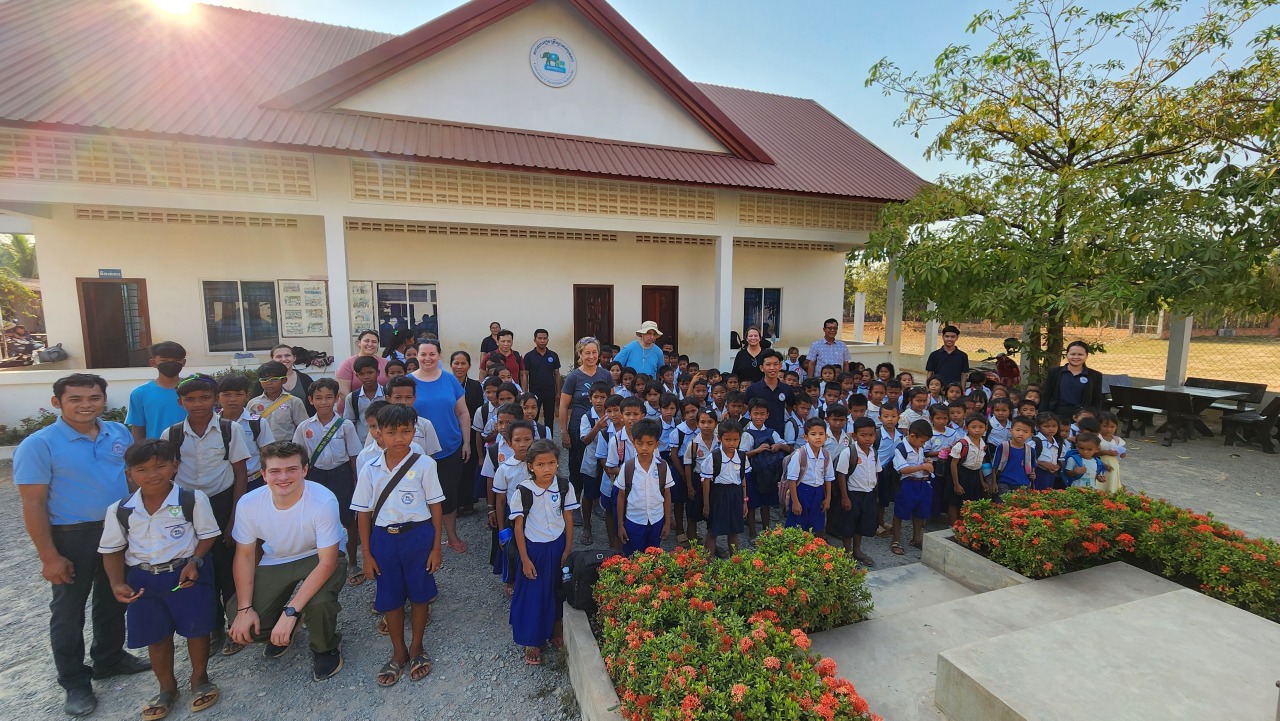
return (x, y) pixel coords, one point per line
(585, 569)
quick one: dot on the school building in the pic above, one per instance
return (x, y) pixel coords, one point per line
(231, 180)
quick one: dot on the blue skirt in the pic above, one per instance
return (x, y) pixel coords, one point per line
(812, 518)
(726, 509)
(534, 606)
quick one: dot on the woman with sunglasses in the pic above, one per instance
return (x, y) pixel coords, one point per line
(575, 400)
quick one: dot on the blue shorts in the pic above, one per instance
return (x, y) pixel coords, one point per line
(402, 563)
(590, 487)
(160, 610)
(812, 518)
(640, 536)
(914, 500)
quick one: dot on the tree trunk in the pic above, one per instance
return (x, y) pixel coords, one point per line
(1053, 345)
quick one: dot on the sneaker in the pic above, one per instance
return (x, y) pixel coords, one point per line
(80, 701)
(325, 665)
(127, 666)
(273, 651)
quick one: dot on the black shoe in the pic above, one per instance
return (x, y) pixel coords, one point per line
(325, 665)
(80, 701)
(273, 651)
(127, 666)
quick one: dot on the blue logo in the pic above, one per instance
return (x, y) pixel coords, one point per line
(552, 62)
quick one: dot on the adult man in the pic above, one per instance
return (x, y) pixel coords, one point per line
(772, 390)
(490, 342)
(948, 364)
(505, 356)
(302, 569)
(541, 376)
(827, 350)
(643, 354)
(68, 474)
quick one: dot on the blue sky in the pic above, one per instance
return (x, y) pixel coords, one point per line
(819, 49)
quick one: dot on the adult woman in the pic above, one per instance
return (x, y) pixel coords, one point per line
(1068, 387)
(297, 382)
(460, 364)
(366, 344)
(746, 365)
(575, 400)
(441, 400)
(490, 342)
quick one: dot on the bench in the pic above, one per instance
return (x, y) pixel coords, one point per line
(1119, 379)
(1256, 392)
(1253, 426)
(1140, 405)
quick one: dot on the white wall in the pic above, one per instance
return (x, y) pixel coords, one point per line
(486, 80)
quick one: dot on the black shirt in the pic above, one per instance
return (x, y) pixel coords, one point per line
(541, 368)
(778, 398)
(948, 367)
(488, 345)
(747, 366)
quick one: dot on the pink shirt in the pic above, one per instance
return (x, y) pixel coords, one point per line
(345, 373)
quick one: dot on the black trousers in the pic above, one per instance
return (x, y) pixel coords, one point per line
(223, 554)
(548, 404)
(79, 544)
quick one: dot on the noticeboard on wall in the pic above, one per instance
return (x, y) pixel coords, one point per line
(363, 312)
(304, 308)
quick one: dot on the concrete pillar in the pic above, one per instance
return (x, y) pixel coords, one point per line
(335, 251)
(930, 331)
(893, 314)
(723, 324)
(1175, 368)
(859, 314)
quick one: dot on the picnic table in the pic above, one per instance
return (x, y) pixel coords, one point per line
(1201, 399)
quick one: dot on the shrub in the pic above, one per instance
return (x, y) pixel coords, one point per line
(12, 436)
(686, 638)
(1041, 534)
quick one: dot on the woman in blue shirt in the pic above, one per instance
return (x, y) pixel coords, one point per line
(441, 400)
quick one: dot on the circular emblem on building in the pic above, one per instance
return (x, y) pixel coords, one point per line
(552, 62)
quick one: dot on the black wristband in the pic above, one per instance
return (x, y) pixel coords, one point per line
(246, 608)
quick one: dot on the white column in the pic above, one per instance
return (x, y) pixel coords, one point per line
(724, 300)
(1175, 368)
(930, 331)
(893, 314)
(859, 314)
(335, 251)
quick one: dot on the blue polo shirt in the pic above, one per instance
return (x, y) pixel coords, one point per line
(84, 475)
(777, 398)
(154, 408)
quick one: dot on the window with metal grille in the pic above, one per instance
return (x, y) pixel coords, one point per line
(241, 315)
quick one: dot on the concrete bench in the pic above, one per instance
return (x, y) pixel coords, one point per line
(1256, 392)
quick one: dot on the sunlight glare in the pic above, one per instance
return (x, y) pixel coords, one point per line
(174, 7)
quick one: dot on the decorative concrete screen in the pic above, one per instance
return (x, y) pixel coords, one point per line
(141, 215)
(782, 211)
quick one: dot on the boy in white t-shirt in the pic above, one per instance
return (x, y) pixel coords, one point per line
(855, 514)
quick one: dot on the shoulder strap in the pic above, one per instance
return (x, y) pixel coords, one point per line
(716, 462)
(562, 485)
(804, 464)
(187, 501)
(493, 456)
(1004, 456)
(353, 403)
(628, 472)
(224, 426)
(122, 515)
(284, 397)
(173, 434)
(324, 442)
(526, 500)
(484, 413)
(255, 425)
(391, 485)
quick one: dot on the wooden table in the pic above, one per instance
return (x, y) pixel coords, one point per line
(1201, 399)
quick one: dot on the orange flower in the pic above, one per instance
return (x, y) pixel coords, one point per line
(772, 663)
(1225, 569)
(757, 563)
(1048, 566)
(738, 692)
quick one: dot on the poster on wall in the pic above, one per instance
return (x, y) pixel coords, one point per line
(362, 310)
(304, 308)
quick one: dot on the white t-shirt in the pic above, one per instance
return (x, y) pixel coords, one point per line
(616, 457)
(817, 470)
(290, 534)
(732, 471)
(863, 477)
(412, 497)
(424, 434)
(977, 453)
(487, 466)
(645, 503)
(545, 522)
(341, 448)
(509, 474)
(203, 467)
(1115, 444)
(161, 538)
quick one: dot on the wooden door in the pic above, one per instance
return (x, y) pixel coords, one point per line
(661, 304)
(115, 322)
(593, 312)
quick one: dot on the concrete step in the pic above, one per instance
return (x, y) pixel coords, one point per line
(893, 660)
(906, 588)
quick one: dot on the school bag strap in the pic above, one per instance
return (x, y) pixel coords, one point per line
(1028, 464)
(717, 459)
(174, 436)
(391, 485)
(324, 442)
(493, 456)
(186, 500)
(352, 403)
(255, 425)
(526, 495)
(629, 472)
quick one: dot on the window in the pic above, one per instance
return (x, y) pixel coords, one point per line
(762, 308)
(241, 315)
(406, 305)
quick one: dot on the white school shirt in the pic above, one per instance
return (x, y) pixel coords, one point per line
(604, 439)
(913, 457)
(732, 470)
(160, 538)
(412, 497)
(478, 422)
(253, 464)
(355, 413)
(645, 503)
(373, 450)
(977, 454)
(793, 429)
(1092, 467)
(590, 461)
(544, 522)
(999, 432)
(202, 467)
(424, 435)
(293, 533)
(774, 439)
(1050, 452)
(621, 449)
(487, 468)
(689, 432)
(885, 446)
(696, 449)
(816, 471)
(863, 477)
(910, 416)
(508, 476)
(667, 438)
(651, 412)
(341, 448)
(621, 390)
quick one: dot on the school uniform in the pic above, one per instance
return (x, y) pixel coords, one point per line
(998, 432)
(970, 457)
(156, 550)
(646, 502)
(1093, 468)
(1051, 451)
(331, 467)
(424, 435)
(621, 390)
(940, 444)
(1013, 466)
(283, 414)
(354, 411)
(811, 488)
(873, 412)
(888, 482)
(914, 499)
(727, 491)
(605, 446)
(694, 452)
(651, 412)
(860, 484)
(590, 468)
(253, 464)
(793, 429)
(910, 416)
(402, 537)
(373, 450)
(534, 606)
(794, 365)
(509, 473)
(766, 467)
(480, 419)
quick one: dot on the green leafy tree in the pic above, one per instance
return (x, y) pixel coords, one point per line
(18, 254)
(871, 279)
(1119, 161)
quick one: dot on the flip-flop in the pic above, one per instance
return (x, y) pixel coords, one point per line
(533, 656)
(206, 695)
(458, 545)
(231, 648)
(897, 548)
(557, 641)
(355, 578)
(382, 627)
(389, 674)
(916, 544)
(419, 662)
(159, 706)
(883, 531)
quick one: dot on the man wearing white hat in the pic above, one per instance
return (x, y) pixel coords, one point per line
(643, 353)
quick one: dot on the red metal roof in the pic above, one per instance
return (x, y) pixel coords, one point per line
(118, 66)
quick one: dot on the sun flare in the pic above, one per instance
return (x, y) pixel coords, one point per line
(174, 7)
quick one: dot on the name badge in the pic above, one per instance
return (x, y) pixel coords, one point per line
(1084, 379)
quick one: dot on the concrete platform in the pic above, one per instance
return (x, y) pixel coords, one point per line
(892, 660)
(1172, 657)
(906, 588)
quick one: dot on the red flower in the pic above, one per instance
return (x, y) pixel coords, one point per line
(738, 692)
(772, 663)
(757, 563)
(1048, 566)
(1225, 569)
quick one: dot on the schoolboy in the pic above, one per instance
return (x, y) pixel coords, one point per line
(699, 390)
(375, 449)
(854, 516)
(282, 411)
(956, 413)
(1083, 467)
(732, 383)
(153, 406)
(621, 447)
(643, 487)
(480, 419)
(511, 472)
(397, 501)
(809, 474)
(858, 407)
(797, 414)
(213, 460)
(893, 394)
(500, 451)
(836, 422)
(366, 372)
(1013, 461)
(718, 393)
(812, 388)
(332, 447)
(233, 394)
(830, 397)
(914, 499)
(613, 414)
(403, 392)
(163, 536)
(590, 430)
(792, 378)
(887, 485)
(1050, 452)
(735, 403)
(766, 453)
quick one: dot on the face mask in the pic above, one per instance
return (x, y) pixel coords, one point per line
(169, 369)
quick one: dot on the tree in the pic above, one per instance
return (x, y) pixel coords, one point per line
(1119, 162)
(871, 279)
(18, 255)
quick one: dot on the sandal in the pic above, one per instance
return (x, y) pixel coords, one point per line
(533, 656)
(355, 578)
(231, 648)
(382, 627)
(458, 545)
(917, 544)
(159, 706)
(206, 695)
(509, 590)
(389, 674)
(557, 641)
(897, 548)
(884, 531)
(421, 662)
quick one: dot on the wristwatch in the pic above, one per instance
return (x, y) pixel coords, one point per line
(290, 611)
(196, 560)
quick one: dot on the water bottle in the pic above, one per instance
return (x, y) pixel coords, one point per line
(565, 574)
(986, 469)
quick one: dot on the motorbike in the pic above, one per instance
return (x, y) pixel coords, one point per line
(1001, 368)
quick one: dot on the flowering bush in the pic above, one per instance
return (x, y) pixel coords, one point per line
(1041, 534)
(684, 638)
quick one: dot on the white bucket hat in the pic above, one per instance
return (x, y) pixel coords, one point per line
(647, 326)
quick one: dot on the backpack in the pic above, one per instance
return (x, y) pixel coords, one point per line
(186, 500)
(804, 462)
(174, 436)
(1028, 459)
(526, 496)
(629, 471)
(584, 570)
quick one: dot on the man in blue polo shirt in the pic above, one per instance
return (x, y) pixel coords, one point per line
(772, 390)
(68, 474)
(948, 364)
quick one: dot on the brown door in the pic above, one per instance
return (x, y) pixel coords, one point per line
(593, 312)
(661, 304)
(117, 328)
